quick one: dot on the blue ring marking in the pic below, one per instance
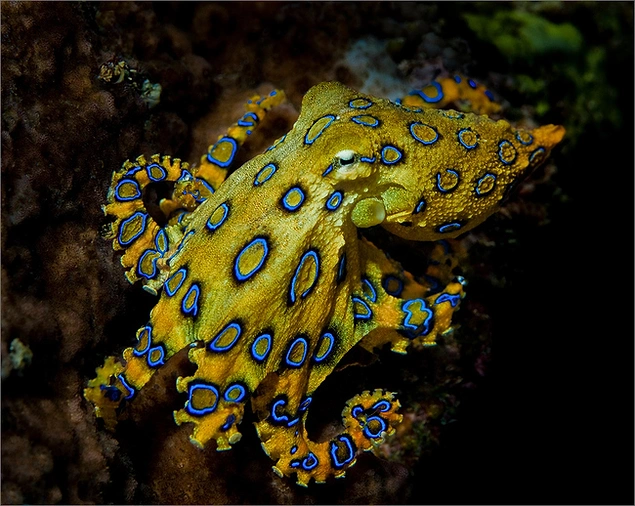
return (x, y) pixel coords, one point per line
(245, 120)
(357, 411)
(480, 180)
(328, 170)
(535, 153)
(204, 411)
(390, 149)
(449, 227)
(471, 83)
(394, 293)
(294, 463)
(331, 339)
(297, 340)
(452, 114)
(341, 268)
(452, 188)
(158, 362)
(209, 187)
(276, 143)
(213, 345)
(141, 230)
(360, 120)
(361, 316)
(405, 307)
(334, 200)
(139, 353)
(525, 143)
(426, 98)
(220, 163)
(288, 206)
(134, 170)
(374, 435)
(183, 272)
(453, 299)
(382, 404)
(367, 159)
(500, 150)
(365, 105)
(294, 449)
(154, 264)
(162, 239)
(310, 462)
(149, 171)
(420, 207)
(239, 276)
(314, 255)
(447, 249)
(269, 166)
(196, 194)
(185, 175)
(193, 308)
(489, 95)
(279, 418)
(254, 347)
(111, 392)
(293, 422)
(181, 243)
(373, 292)
(337, 464)
(241, 393)
(465, 144)
(427, 143)
(126, 386)
(229, 421)
(127, 199)
(213, 226)
(433, 282)
(457, 79)
(315, 137)
(304, 405)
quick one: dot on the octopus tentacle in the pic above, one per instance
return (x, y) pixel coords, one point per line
(367, 419)
(144, 242)
(117, 382)
(147, 245)
(213, 165)
(410, 316)
(465, 93)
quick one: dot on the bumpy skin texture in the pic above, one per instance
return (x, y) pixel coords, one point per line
(265, 277)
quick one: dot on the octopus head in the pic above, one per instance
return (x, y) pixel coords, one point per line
(421, 174)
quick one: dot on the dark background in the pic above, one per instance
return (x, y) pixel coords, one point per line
(552, 420)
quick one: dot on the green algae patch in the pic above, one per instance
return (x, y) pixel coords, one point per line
(524, 35)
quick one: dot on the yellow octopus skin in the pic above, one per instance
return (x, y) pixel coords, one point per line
(263, 276)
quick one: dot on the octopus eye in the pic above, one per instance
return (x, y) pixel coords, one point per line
(346, 157)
